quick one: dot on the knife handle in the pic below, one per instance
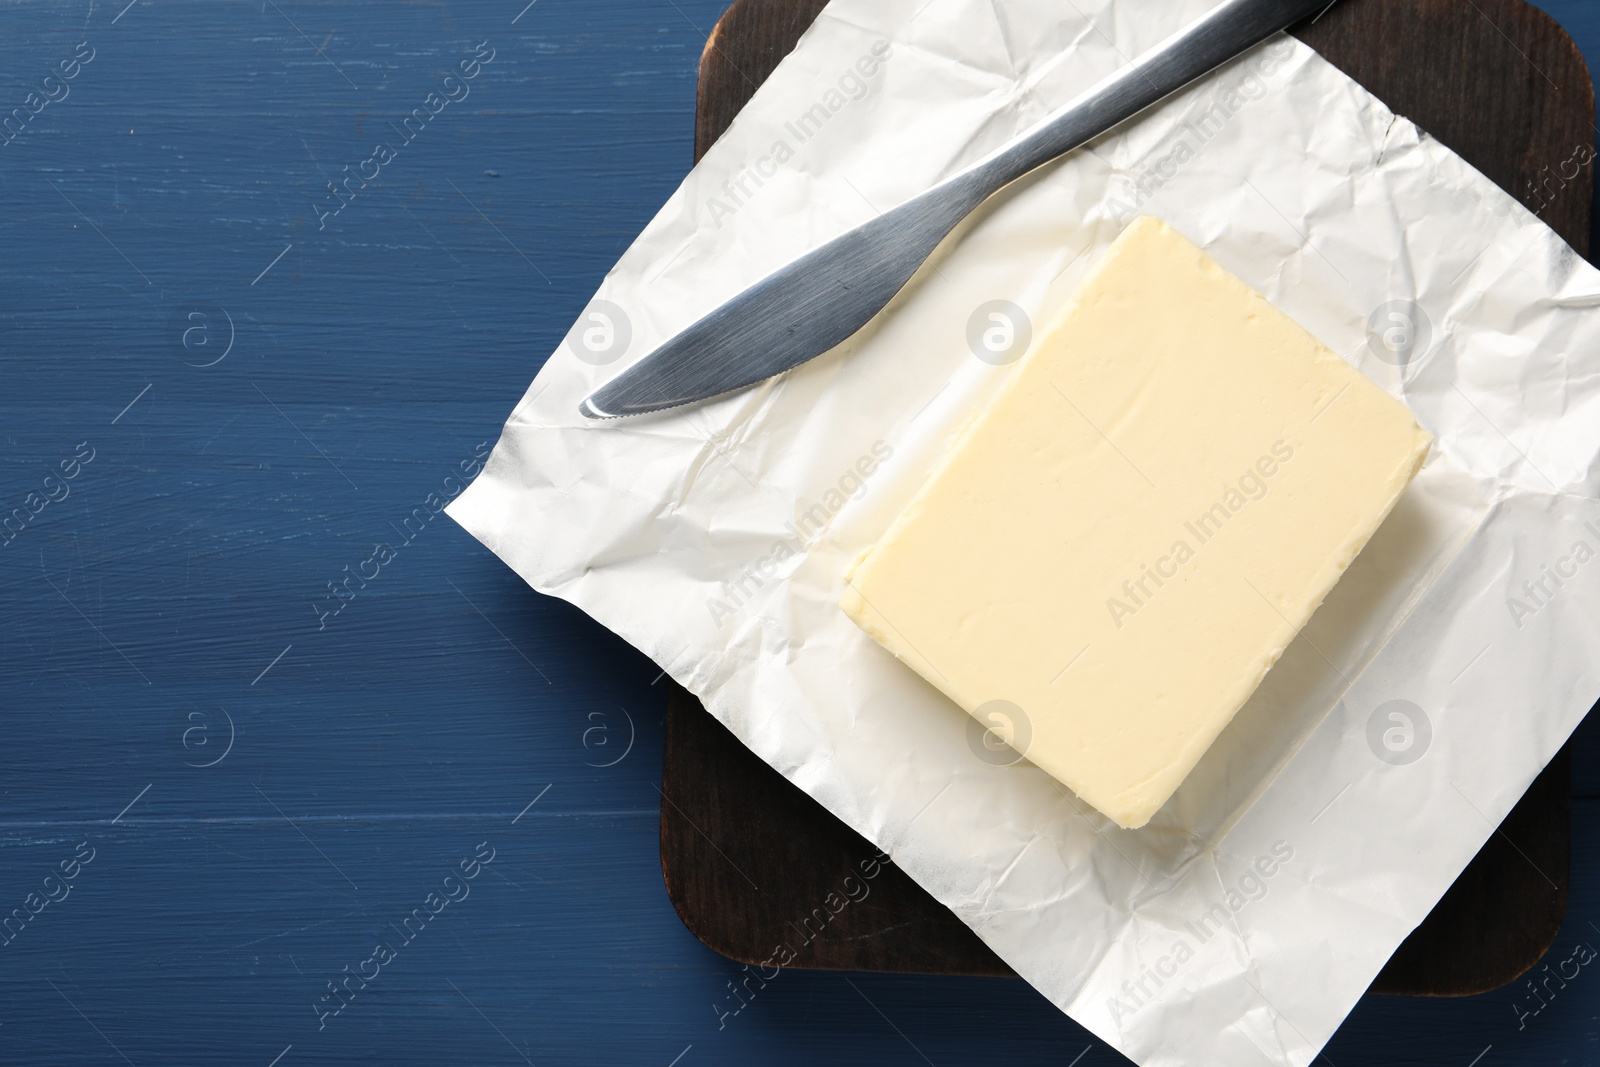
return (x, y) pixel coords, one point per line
(1204, 45)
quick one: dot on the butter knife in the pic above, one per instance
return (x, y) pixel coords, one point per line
(819, 300)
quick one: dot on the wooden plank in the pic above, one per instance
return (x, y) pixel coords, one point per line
(1500, 83)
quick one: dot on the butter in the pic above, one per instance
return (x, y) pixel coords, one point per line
(1130, 535)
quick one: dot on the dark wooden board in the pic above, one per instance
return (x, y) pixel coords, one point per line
(747, 856)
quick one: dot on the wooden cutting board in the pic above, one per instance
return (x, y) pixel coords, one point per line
(748, 857)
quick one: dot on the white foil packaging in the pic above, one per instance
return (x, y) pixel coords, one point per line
(1446, 669)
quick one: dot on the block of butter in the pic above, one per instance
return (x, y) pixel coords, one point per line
(1123, 543)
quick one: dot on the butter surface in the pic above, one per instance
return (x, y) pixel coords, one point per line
(1128, 538)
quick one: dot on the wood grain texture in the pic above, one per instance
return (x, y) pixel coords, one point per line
(1503, 86)
(744, 48)
(175, 585)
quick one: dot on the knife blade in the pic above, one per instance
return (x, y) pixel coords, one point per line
(821, 299)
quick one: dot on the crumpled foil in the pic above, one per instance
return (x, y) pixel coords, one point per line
(1445, 670)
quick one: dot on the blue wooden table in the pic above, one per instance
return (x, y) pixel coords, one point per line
(294, 771)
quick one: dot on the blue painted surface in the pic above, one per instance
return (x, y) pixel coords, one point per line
(177, 582)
